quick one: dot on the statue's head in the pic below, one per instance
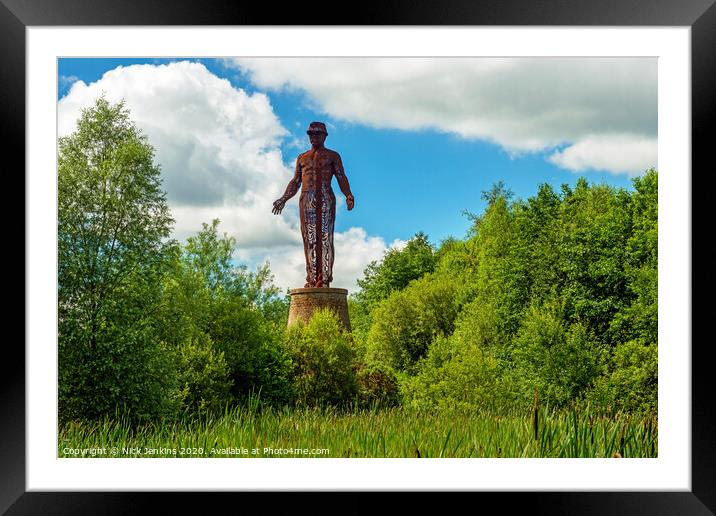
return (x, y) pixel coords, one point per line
(317, 133)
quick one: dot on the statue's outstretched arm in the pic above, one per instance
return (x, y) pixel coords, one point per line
(293, 185)
(345, 187)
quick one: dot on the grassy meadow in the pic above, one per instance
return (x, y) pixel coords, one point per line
(396, 432)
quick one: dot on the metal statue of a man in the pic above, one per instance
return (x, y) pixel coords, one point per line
(315, 169)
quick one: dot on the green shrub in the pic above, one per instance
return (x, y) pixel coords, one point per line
(323, 361)
(253, 350)
(458, 375)
(632, 384)
(478, 324)
(116, 367)
(407, 322)
(202, 376)
(377, 386)
(561, 360)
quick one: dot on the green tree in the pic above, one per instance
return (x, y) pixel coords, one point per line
(398, 268)
(639, 320)
(393, 273)
(595, 224)
(210, 257)
(558, 293)
(205, 293)
(497, 191)
(113, 227)
(501, 278)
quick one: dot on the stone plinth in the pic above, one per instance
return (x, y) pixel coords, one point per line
(305, 301)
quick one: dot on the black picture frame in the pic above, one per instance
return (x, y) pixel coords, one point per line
(700, 15)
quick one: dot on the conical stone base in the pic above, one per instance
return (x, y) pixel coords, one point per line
(305, 301)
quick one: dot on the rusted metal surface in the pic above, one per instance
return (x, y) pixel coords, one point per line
(314, 172)
(305, 302)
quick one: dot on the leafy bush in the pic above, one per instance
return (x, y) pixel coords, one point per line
(380, 279)
(323, 361)
(467, 369)
(406, 323)
(377, 386)
(253, 350)
(202, 376)
(453, 376)
(560, 359)
(117, 367)
(632, 384)
(639, 320)
(460, 259)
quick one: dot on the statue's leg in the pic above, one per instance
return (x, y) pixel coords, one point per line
(320, 211)
(329, 252)
(326, 216)
(307, 208)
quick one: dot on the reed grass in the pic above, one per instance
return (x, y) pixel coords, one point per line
(397, 432)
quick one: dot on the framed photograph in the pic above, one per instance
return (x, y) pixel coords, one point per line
(646, 69)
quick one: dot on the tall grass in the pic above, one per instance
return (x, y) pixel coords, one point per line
(398, 432)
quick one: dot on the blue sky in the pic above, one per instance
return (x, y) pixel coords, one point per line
(419, 146)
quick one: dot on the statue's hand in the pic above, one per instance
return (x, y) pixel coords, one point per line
(278, 205)
(350, 201)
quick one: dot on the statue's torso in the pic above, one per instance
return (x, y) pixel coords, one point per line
(316, 168)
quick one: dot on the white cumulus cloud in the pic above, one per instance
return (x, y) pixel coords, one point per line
(521, 104)
(614, 153)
